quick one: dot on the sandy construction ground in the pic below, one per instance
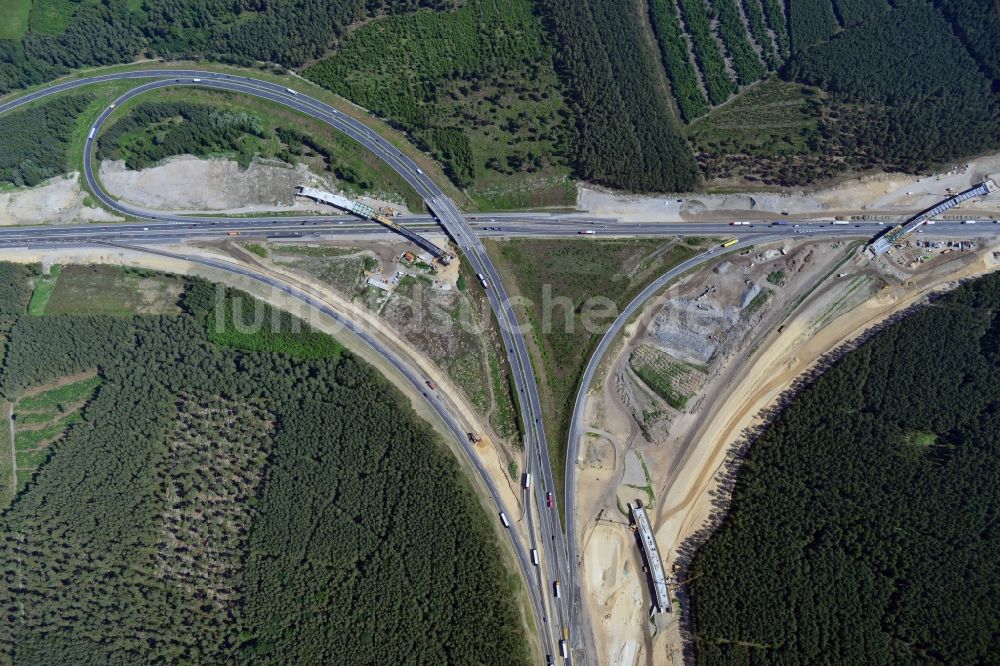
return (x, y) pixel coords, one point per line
(834, 296)
(58, 201)
(889, 193)
(188, 183)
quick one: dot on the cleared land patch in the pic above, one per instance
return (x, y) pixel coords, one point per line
(476, 88)
(674, 381)
(286, 556)
(235, 320)
(575, 288)
(449, 325)
(884, 465)
(110, 290)
(769, 132)
(15, 18)
(216, 462)
(217, 124)
(44, 286)
(42, 415)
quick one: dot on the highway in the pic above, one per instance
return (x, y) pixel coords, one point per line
(576, 420)
(207, 227)
(453, 222)
(555, 617)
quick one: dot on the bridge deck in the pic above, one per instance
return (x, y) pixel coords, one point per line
(369, 213)
(652, 558)
(882, 244)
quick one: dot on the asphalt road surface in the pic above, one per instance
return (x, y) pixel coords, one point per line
(555, 617)
(445, 212)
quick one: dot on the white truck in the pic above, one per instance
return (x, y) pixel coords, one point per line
(503, 519)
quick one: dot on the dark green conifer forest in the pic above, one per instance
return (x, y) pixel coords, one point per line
(239, 501)
(863, 522)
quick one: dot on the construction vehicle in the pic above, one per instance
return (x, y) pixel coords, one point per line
(475, 438)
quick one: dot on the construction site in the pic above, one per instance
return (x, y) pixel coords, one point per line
(689, 374)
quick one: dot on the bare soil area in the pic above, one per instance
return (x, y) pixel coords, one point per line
(59, 201)
(754, 322)
(189, 183)
(890, 193)
(424, 303)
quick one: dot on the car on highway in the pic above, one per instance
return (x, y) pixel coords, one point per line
(549, 500)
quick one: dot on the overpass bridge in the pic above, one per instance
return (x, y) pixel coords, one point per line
(885, 241)
(652, 554)
(368, 213)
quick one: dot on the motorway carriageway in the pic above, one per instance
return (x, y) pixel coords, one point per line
(446, 212)
(200, 227)
(460, 229)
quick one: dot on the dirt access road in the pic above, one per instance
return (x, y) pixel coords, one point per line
(462, 412)
(684, 467)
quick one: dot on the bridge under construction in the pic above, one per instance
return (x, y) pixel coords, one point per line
(368, 213)
(886, 240)
(653, 562)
